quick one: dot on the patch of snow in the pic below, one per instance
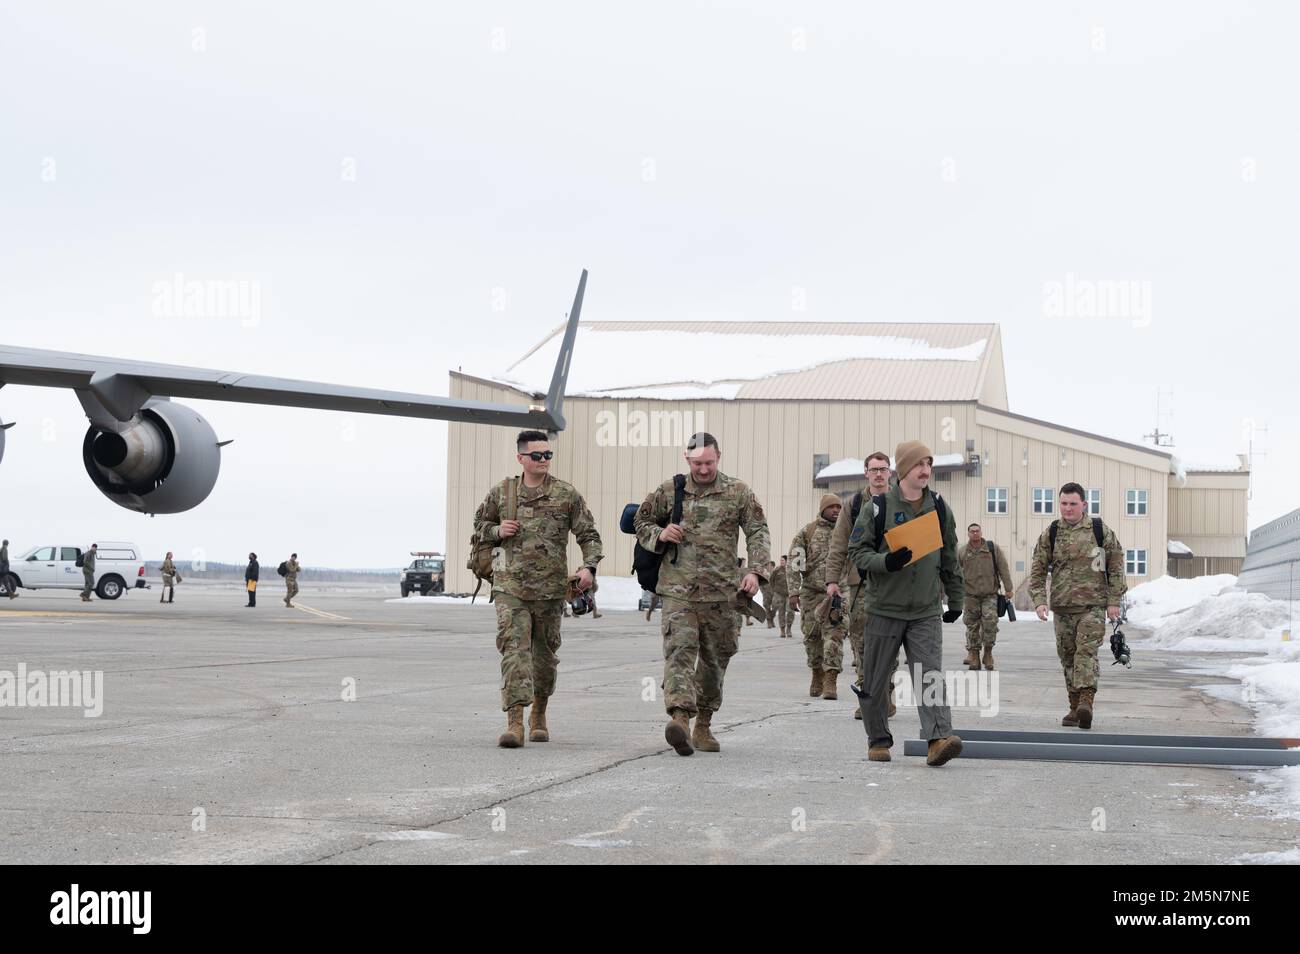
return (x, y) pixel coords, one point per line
(704, 364)
(1178, 548)
(1151, 603)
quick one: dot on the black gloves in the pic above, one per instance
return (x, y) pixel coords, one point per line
(950, 616)
(897, 559)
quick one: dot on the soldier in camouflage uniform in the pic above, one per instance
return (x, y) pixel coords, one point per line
(781, 597)
(767, 596)
(877, 471)
(823, 634)
(528, 580)
(982, 581)
(291, 570)
(1087, 588)
(699, 589)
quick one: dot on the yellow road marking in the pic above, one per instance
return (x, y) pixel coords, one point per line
(321, 613)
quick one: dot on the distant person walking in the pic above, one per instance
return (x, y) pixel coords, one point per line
(6, 581)
(291, 569)
(250, 579)
(170, 579)
(88, 571)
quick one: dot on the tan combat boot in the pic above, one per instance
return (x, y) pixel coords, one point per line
(1085, 707)
(701, 736)
(988, 657)
(818, 676)
(513, 736)
(943, 750)
(878, 753)
(972, 660)
(537, 721)
(678, 732)
(893, 709)
(828, 684)
(1071, 718)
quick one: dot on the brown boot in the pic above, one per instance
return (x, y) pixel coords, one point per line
(893, 709)
(988, 657)
(1071, 718)
(678, 732)
(818, 677)
(513, 736)
(1085, 707)
(857, 713)
(701, 736)
(943, 750)
(828, 684)
(537, 721)
(972, 660)
(878, 753)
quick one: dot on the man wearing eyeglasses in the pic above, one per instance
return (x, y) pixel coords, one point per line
(529, 571)
(698, 585)
(877, 471)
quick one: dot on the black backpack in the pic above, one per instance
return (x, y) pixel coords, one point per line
(283, 568)
(1051, 543)
(855, 506)
(645, 562)
(81, 559)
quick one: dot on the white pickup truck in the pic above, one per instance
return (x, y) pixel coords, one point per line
(118, 566)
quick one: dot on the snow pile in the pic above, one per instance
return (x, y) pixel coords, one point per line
(1178, 548)
(1229, 622)
(704, 364)
(1151, 603)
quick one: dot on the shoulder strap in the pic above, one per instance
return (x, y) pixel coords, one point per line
(993, 552)
(879, 501)
(942, 509)
(1051, 541)
(1098, 534)
(679, 494)
(512, 498)
(855, 507)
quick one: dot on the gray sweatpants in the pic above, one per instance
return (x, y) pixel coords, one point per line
(922, 641)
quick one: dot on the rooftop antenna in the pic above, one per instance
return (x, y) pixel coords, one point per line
(1157, 437)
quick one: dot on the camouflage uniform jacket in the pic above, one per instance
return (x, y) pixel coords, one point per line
(977, 569)
(532, 565)
(1078, 568)
(811, 547)
(713, 517)
(780, 586)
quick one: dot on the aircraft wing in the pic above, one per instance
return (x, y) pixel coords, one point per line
(123, 387)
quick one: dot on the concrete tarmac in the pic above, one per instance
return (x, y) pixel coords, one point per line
(351, 729)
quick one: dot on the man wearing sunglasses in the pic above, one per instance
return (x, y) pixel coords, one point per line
(532, 516)
(697, 581)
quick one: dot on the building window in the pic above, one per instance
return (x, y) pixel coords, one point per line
(1136, 503)
(1043, 499)
(996, 500)
(1094, 503)
(1135, 562)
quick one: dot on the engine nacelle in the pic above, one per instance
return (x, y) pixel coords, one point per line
(164, 460)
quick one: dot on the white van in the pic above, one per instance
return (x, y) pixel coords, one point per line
(118, 566)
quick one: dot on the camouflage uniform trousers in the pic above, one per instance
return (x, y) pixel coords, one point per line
(290, 588)
(822, 642)
(785, 615)
(768, 608)
(528, 637)
(980, 614)
(858, 634)
(1079, 636)
(699, 641)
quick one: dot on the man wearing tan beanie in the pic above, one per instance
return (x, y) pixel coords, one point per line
(905, 606)
(823, 617)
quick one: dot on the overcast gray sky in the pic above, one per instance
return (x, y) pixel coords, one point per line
(414, 188)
